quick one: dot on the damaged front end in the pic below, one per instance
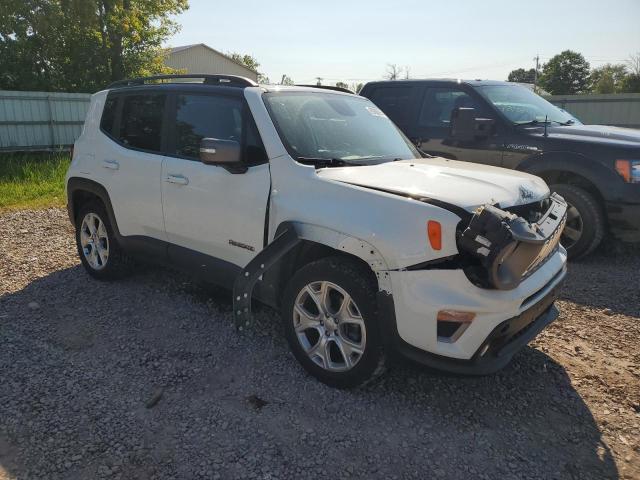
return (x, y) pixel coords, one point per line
(501, 248)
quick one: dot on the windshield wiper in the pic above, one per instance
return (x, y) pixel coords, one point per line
(545, 122)
(325, 162)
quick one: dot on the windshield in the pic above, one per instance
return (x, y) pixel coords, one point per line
(318, 126)
(521, 105)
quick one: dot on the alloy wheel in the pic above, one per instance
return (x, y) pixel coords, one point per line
(573, 228)
(94, 241)
(329, 326)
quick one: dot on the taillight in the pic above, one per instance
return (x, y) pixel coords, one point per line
(434, 232)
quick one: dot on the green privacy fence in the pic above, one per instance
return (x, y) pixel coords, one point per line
(40, 120)
(619, 109)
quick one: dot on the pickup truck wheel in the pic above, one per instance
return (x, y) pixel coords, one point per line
(330, 319)
(98, 249)
(585, 221)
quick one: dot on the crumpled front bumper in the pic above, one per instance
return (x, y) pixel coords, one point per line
(411, 315)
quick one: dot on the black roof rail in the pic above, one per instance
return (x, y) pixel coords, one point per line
(329, 87)
(207, 79)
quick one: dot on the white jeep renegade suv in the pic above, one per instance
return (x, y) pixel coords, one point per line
(312, 201)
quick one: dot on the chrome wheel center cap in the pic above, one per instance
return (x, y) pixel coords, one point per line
(330, 324)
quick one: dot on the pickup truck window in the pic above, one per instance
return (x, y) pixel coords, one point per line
(520, 105)
(438, 104)
(394, 101)
(328, 126)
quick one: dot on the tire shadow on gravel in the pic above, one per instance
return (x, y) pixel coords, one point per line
(81, 366)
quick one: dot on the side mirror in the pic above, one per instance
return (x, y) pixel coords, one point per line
(226, 153)
(465, 127)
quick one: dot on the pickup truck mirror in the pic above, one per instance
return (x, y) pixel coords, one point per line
(226, 153)
(465, 127)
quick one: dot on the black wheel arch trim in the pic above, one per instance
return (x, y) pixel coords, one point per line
(75, 184)
(604, 179)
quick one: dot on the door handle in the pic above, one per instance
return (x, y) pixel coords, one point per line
(177, 179)
(111, 164)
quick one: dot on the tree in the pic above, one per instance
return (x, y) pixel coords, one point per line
(608, 78)
(566, 73)
(356, 87)
(286, 80)
(80, 45)
(342, 85)
(633, 63)
(251, 63)
(630, 84)
(393, 72)
(521, 75)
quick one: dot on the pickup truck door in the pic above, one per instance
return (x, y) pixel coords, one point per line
(209, 211)
(430, 129)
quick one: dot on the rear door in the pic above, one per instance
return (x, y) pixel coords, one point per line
(431, 129)
(130, 160)
(209, 211)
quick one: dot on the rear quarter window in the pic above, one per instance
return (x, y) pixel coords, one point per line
(108, 120)
(395, 102)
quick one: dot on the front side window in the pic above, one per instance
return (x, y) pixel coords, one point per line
(141, 122)
(521, 106)
(438, 104)
(328, 126)
(205, 116)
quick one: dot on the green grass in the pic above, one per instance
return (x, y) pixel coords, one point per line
(32, 180)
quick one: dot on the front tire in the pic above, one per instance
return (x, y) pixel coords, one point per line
(585, 221)
(330, 318)
(98, 249)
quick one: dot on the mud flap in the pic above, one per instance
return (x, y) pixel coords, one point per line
(244, 283)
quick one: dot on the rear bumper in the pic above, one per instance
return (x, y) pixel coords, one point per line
(624, 221)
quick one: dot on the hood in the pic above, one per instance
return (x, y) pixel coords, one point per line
(466, 185)
(597, 133)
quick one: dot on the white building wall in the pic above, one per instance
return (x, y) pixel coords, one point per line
(200, 59)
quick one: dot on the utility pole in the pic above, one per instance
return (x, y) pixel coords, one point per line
(319, 79)
(535, 75)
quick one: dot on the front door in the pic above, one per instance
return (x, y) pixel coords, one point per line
(207, 209)
(432, 128)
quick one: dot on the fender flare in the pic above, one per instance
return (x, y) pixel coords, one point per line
(289, 235)
(75, 184)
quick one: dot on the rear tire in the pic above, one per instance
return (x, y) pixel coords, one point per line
(98, 249)
(585, 226)
(330, 318)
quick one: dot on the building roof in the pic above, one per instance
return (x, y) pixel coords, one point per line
(193, 45)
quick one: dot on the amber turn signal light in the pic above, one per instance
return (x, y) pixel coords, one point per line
(455, 316)
(434, 232)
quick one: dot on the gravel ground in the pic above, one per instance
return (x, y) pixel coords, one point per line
(146, 378)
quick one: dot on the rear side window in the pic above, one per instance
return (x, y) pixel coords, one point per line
(394, 101)
(439, 103)
(205, 116)
(107, 122)
(141, 122)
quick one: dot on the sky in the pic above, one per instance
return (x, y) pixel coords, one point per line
(354, 41)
